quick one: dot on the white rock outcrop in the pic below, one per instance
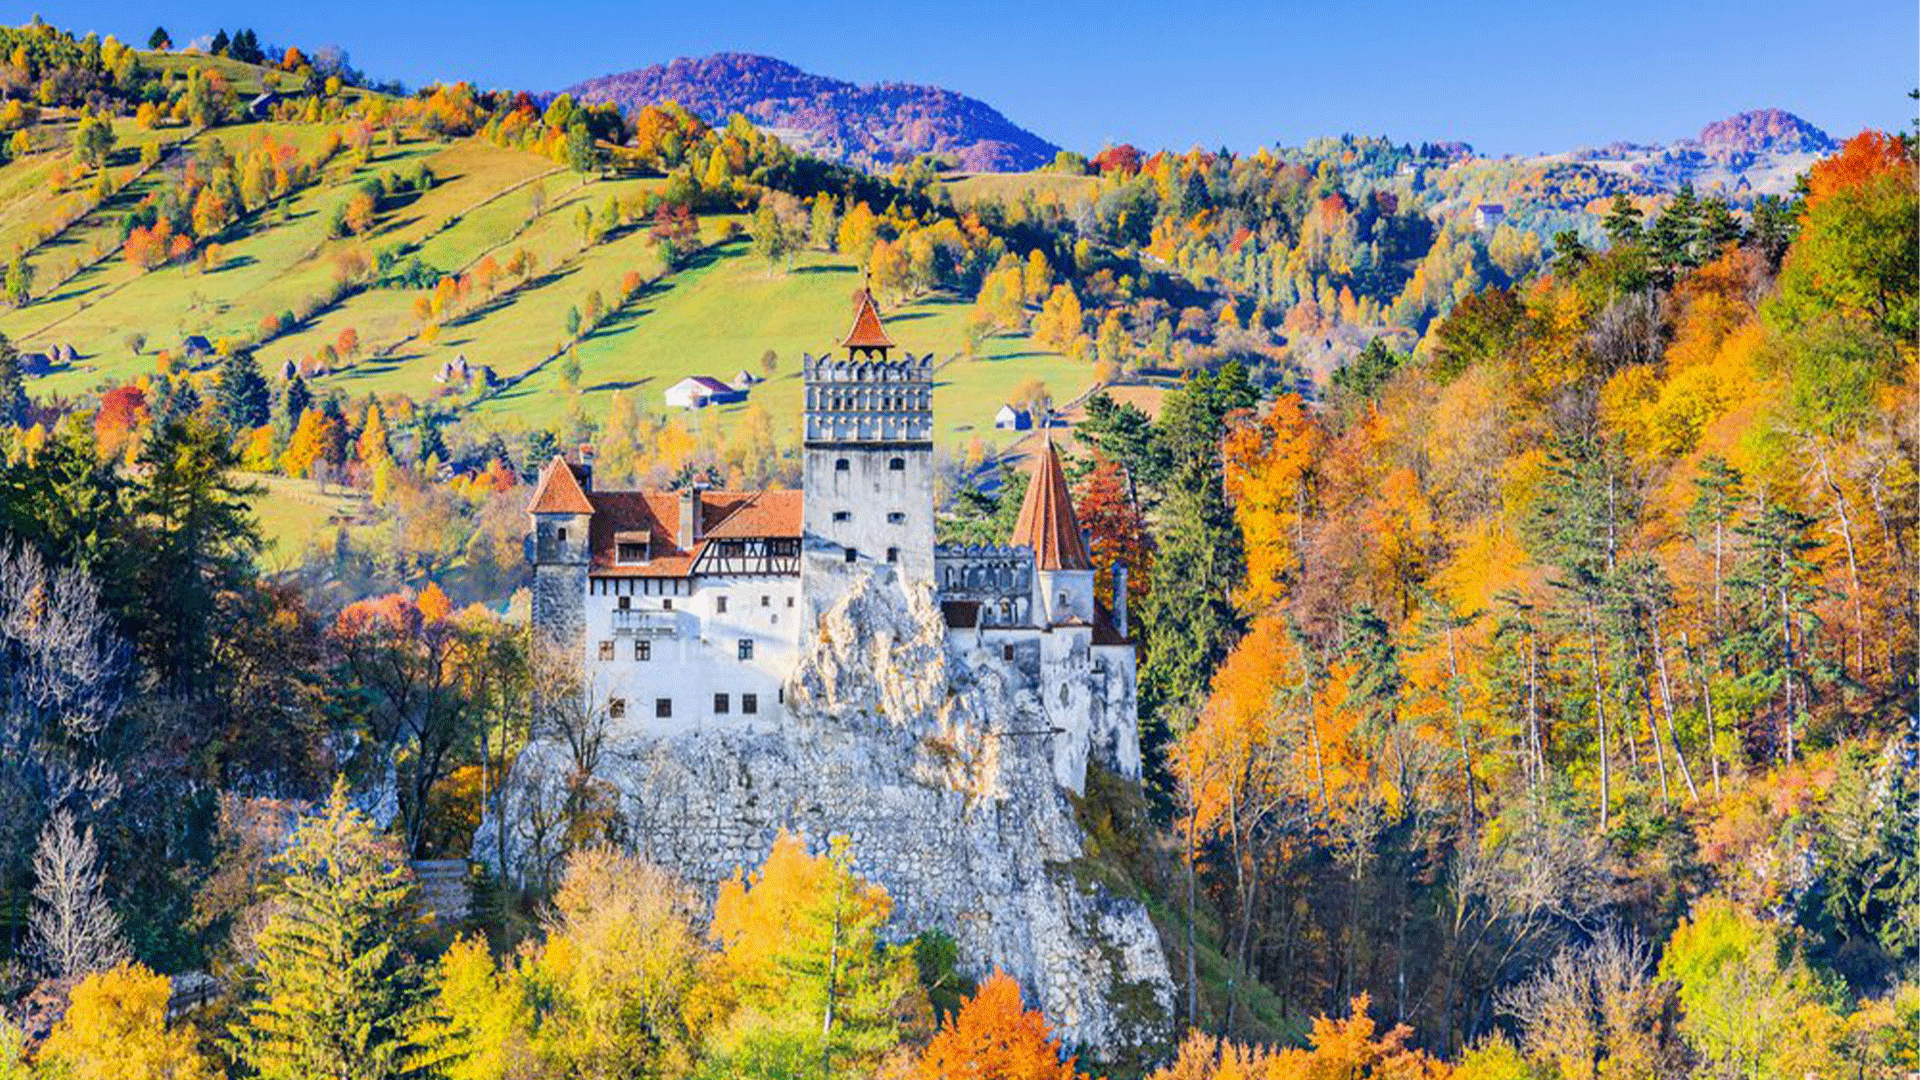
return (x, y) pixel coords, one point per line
(940, 775)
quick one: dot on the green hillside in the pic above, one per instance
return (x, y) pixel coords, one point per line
(718, 314)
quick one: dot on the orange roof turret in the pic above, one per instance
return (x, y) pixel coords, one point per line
(560, 491)
(1047, 524)
(867, 333)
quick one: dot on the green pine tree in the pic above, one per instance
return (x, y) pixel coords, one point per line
(13, 385)
(335, 995)
(243, 398)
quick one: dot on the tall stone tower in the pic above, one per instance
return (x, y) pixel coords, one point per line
(868, 441)
(562, 524)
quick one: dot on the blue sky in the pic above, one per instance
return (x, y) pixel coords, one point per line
(1506, 76)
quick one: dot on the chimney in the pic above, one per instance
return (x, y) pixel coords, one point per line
(1120, 598)
(691, 527)
(585, 472)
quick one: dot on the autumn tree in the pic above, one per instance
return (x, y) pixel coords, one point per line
(993, 1035)
(803, 982)
(115, 1028)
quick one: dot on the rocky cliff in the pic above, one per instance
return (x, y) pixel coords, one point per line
(939, 775)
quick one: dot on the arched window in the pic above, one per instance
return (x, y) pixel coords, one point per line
(898, 464)
(842, 465)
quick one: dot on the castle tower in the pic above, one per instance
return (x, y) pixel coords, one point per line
(868, 441)
(1063, 571)
(562, 526)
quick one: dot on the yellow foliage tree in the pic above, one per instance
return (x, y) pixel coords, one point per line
(115, 1028)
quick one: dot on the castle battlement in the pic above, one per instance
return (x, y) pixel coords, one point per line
(690, 608)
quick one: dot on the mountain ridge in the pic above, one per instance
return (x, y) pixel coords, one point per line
(871, 125)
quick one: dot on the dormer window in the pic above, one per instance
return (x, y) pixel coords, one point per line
(630, 552)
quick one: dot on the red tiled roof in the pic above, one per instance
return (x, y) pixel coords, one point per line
(559, 491)
(1104, 632)
(867, 333)
(1046, 522)
(724, 514)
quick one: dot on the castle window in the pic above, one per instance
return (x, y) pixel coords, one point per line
(898, 464)
(746, 648)
(765, 600)
(789, 601)
(663, 708)
(1006, 653)
(896, 518)
(1063, 693)
(617, 708)
(631, 553)
(624, 603)
(853, 554)
(606, 650)
(560, 534)
(666, 603)
(720, 605)
(750, 703)
(722, 705)
(643, 650)
(843, 515)
(893, 555)
(839, 465)
(1006, 609)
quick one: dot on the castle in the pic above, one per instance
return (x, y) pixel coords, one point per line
(690, 608)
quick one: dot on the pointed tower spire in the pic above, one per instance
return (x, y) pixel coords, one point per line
(867, 333)
(1047, 524)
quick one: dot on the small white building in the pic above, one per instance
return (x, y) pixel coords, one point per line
(1488, 215)
(700, 391)
(1012, 419)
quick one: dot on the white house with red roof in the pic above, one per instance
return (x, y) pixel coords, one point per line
(690, 607)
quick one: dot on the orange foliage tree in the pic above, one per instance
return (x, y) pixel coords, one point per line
(994, 1036)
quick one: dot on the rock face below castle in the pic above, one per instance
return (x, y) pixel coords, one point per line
(940, 775)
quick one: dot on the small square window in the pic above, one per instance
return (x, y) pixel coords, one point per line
(765, 600)
(617, 708)
(750, 704)
(746, 648)
(626, 603)
(606, 650)
(853, 554)
(721, 705)
(666, 603)
(643, 650)
(896, 518)
(893, 554)
(843, 515)
(720, 604)
(789, 601)
(663, 708)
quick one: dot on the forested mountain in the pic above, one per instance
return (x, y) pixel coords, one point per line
(875, 125)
